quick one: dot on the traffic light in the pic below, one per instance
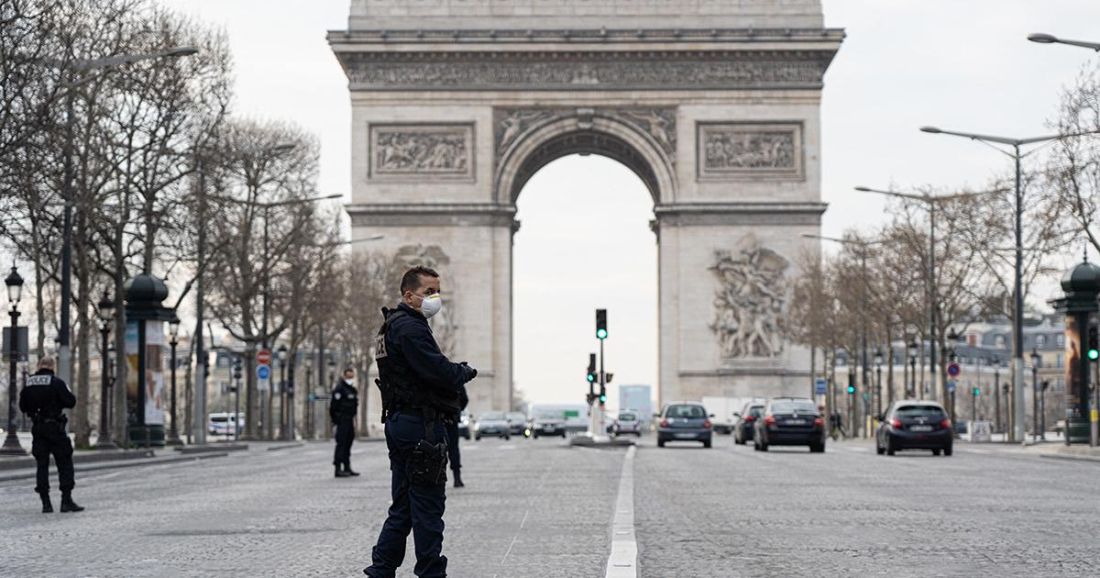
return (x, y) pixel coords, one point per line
(607, 377)
(591, 368)
(601, 324)
(977, 391)
(851, 389)
(603, 396)
(1094, 343)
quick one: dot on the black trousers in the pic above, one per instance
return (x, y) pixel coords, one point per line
(49, 438)
(453, 455)
(345, 435)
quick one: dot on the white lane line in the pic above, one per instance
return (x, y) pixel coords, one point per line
(623, 561)
(524, 522)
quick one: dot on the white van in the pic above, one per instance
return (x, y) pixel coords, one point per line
(221, 423)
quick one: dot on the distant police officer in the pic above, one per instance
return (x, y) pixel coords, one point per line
(342, 408)
(43, 398)
(451, 424)
(420, 387)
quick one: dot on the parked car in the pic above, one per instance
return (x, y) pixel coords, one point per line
(746, 421)
(684, 421)
(464, 425)
(790, 421)
(517, 423)
(492, 423)
(547, 422)
(221, 423)
(627, 422)
(914, 425)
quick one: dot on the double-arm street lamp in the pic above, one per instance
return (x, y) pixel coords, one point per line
(78, 68)
(14, 283)
(1017, 285)
(106, 312)
(173, 334)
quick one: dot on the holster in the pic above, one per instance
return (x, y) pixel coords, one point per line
(428, 460)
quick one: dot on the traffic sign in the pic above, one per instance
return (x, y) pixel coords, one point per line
(953, 370)
(820, 386)
(263, 371)
(263, 357)
(951, 386)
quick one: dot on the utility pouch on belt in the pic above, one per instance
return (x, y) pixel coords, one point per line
(428, 464)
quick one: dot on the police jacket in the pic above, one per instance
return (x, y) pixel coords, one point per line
(412, 355)
(45, 395)
(345, 402)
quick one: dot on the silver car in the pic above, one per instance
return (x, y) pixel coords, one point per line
(492, 423)
(628, 422)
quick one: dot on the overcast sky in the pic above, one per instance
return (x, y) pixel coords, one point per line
(961, 64)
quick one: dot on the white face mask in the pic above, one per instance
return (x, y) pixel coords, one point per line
(349, 381)
(431, 304)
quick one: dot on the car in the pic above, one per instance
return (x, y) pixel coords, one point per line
(789, 421)
(626, 423)
(684, 421)
(492, 423)
(464, 425)
(914, 425)
(547, 422)
(517, 423)
(221, 423)
(746, 422)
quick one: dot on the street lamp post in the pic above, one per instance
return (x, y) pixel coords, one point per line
(1018, 266)
(14, 283)
(997, 423)
(912, 393)
(1050, 39)
(106, 313)
(878, 382)
(173, 334)
(1035, 361)
(64, 352)
(284, 415)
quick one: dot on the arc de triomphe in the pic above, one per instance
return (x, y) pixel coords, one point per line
(713, 103)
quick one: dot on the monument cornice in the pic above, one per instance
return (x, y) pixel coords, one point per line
(575, 69)
(430, 214)
(706, 214)
(585, 35)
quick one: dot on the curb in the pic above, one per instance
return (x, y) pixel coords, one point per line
(206, 449)
(1071, 457)
(285, 447)
(89, 457)
(125, 464)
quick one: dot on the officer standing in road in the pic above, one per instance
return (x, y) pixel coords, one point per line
(43, 398)
(451, 424)
(420, 387)
(342, 409)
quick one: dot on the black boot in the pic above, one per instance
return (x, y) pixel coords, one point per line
(47, 505)
(68, 505)
(458, 479)
(347, 468)
(340, 473)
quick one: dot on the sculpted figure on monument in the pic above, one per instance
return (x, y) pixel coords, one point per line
(420, 151)
(738, 149)
(749, 301)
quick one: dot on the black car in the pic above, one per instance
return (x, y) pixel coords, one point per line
(746, 422)
(914, 425)
(790, 421)
(684, 421)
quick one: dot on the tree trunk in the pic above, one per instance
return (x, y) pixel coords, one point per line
(80, 412)
(252, 400)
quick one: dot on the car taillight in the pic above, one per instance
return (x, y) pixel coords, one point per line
(945, 424)
(664, 423)
(769, 420)
(895, 423)
(750, 418)
(706, 424)
(819, 422)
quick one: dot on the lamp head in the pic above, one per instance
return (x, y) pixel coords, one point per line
(106, 307)
(15, 285)
(182, 51)
(174, 326)
(930, 129)
(1042, 38)
(281, 352)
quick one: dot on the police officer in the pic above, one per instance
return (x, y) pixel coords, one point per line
(419, 387)
(43, 398)
(342, 408)
(451, 424)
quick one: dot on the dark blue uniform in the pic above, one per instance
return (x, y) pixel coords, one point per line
(454, 456)
(43, 398)
(342, 409)
(409, 357)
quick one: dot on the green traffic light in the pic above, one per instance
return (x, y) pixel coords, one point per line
(1094, 354)
(603, 399)
(977, 392)
(601, 334)
(851, 389)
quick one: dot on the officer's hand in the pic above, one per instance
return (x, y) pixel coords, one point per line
(470, 372)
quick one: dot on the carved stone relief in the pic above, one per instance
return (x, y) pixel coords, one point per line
(399, 150)
(658, 124)
(443, 323)
(749, 302)
(750, 150)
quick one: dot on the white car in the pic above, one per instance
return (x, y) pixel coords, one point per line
(221, 423)
(626, 423)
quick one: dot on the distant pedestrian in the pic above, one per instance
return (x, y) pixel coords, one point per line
(43, 398)
(453, 454)
(342, 410)
(420, 387)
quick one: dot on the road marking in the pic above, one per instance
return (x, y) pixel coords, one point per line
(524, 522)
(623, 561)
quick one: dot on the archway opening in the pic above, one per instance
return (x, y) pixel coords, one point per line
(585, 243)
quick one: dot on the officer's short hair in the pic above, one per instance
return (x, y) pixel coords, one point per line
(47, 363)
(410, 281)
(347, 369)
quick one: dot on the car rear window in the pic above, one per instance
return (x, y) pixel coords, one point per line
(795, 405)
(920, 410)
(756, 410)
(627, 417)
(686, 411)
(219, 419)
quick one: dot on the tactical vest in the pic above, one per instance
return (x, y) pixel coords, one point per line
(399, 386)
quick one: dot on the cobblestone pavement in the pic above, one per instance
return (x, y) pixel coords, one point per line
(534, 508)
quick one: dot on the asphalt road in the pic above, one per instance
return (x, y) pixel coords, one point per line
(535, 508)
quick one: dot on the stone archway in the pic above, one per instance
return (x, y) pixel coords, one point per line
(714, 105)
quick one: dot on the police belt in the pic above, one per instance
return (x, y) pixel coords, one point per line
(427, 413)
